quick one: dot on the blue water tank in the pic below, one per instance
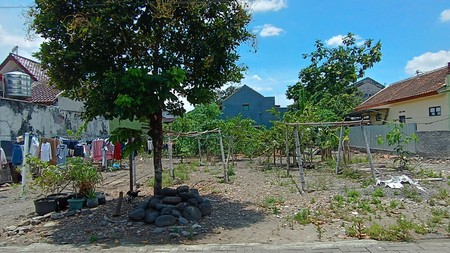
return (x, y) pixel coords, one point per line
(17, 84)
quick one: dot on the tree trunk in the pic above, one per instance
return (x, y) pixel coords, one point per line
(157, 136)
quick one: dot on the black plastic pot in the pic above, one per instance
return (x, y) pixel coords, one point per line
(45, 205)
(61, 200)
(101, 198)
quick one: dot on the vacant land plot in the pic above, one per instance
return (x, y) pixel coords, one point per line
(261, 204)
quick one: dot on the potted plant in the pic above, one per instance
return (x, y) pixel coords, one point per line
(84, 178)
(49, 179)
(92, 199)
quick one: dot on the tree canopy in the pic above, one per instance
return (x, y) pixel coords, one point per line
(132, 59)
(328, 80)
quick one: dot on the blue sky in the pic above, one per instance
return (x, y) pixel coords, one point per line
(415, 35)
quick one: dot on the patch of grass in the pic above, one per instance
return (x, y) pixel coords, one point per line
(378, 192)
(401, 231)
(93, 239)
(339, 200)
(428, 173)
(231, 171)
(411, 193)
(358, 159)
(393, 204)
(272, 203)
(303, 216)
(352, 174)
(352, 195)
(367, 182)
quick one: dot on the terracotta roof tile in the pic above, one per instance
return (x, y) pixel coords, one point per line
(42, 93)
(422, 85)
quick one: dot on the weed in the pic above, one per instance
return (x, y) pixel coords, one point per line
(356, 229)
(351, 174)
(352, 195)
(339, 199)
(365, 207)
(231, 171)
(215, 191)
(271, 203)
(313, 200)
(442, 194)
(302, 217)
(393, 204)
(411, 193)
(428, 173)
(319, 229)
(93, 239)
(367, 182)
(378, 192)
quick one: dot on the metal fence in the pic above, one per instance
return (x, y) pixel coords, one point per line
(374, 132)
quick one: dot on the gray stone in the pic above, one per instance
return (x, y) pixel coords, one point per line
(198, 198)
(205, 208)
(165, 220)
(175, 213)
(186, 233)
(70, 213)
(41, 218)
(143, 204)
(194, 191)
(182, 221)
(154, 202)
(157, 197)
(161, 206)
(35, 222)
(181, 206)
(26, 228)
(137, 214)
(169, 192)
(86, 211)
(9, 228)
(24, 223)
(167, 210)
(186, 195)
(150, 216)
(158, 230)
(46, 216)
(192, 201)
(57, 216)
(172, 200)
(174, 235)
(49, 224)
(183, 188)
(192, 213)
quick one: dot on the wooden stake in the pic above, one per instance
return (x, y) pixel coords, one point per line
(368, 153)
(288, 160)
(225, 172)
(339, 151)
(119, 205)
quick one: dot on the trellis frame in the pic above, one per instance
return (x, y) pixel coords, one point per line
(341, 124)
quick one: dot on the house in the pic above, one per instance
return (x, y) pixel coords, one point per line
(250, 104)
(422, 100)
(29, 104)
(368, 87)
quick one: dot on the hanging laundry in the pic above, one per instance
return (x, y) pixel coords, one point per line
(3, 160)
(46, 152)
(17, 155)
(61, 153)
(97, 148)
(8, 148)
(118, 151)
(79, 150)
(34, 147)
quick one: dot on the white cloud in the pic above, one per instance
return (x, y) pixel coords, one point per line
(427, 61)
(256, 77)
(265, 5)
(337, 40)
(262, 88)
(268, 30)
(445, 15)
(8, 40)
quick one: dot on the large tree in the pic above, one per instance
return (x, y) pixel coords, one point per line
(132, 59)
(332, 73)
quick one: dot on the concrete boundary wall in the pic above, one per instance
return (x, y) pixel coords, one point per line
(17, 117)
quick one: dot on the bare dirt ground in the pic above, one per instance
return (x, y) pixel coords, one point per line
(261, 205)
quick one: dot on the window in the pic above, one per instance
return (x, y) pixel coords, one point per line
(378, 117)
(434, 111)
(245, 107)
(402, 119)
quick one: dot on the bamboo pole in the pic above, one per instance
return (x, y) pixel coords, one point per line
(288, 160)
(169, 146)
(298, 154)
(368, 153)
(339, 151)
(225, 172)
